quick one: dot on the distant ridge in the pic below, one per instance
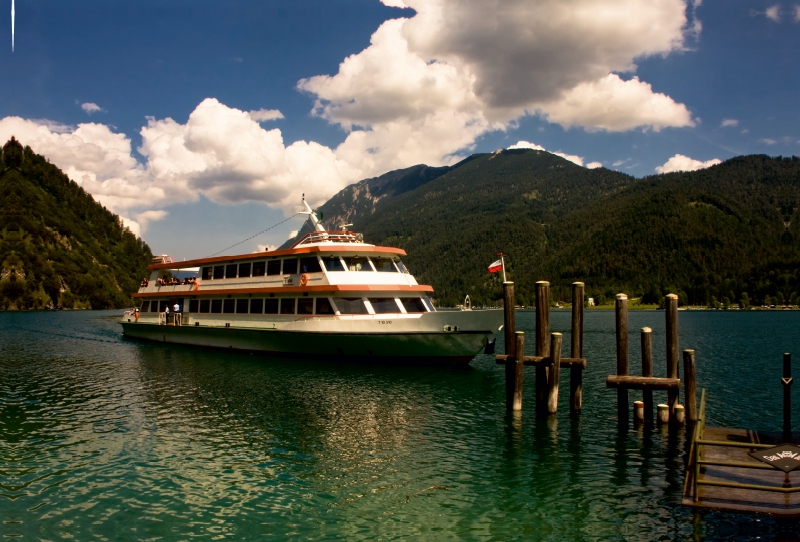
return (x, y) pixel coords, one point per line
(59, 247)
(729, 232)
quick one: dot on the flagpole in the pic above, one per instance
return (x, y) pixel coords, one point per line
(503, 263)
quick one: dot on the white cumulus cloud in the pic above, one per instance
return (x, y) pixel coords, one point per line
(90, 107)
(424, 90)
(729, 123)
(616, 105)
(774, 13)
(263, 115)
(680, 162)
(594, 165)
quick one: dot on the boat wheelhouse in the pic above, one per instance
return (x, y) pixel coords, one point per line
(328, 295)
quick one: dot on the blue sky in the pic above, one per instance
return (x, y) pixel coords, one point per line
(201, 122)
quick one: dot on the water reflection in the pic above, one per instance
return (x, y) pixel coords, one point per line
(106, 438)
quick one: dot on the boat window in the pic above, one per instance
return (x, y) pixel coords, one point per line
(258, 269)
(273, 267)
(305, 305)
(256, 306)
(242, 305)
(324, 306)
(310, 265)
(384, 265)
(290, 266)
(229, 306)
(230, 271)
(219, 271)
(206, 273)
(163, 305)
(428, 303)
(354, 263)
(244, 269)
(216, 305)
(287, 306)
(145, 306)
(205, 305)
(333, 263)
(270, 306)
(400, 266)
(384, 305)
(351, 305)
(194, 304)
(413, 304)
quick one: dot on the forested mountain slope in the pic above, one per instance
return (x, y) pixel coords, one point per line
(720, 232)
(59, 247)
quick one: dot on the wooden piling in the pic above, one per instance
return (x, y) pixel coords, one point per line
(509, 329)
(647, 370)
(690, 389)
(638, 411)
(554, 373)
(672, 348)
(663, 413)
(514, 387)
(621, 310)
(680, 414)
(576, 350)
(542, 342)
(787, 397)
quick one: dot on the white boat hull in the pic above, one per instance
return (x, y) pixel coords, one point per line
(375, 338)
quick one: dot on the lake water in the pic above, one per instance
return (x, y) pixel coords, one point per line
(111, 439)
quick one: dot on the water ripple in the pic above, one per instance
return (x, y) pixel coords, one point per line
(103, 437)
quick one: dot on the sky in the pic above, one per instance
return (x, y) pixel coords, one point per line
(202, 123)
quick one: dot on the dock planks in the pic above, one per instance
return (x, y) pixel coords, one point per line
(739, 499)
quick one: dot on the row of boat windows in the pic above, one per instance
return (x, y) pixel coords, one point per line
(310, 264)
(297, 305)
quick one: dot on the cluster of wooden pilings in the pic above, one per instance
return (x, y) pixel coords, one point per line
(548, 360)
(671, 412)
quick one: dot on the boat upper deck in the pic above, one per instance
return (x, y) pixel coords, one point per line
(340, 242)
(319, 261)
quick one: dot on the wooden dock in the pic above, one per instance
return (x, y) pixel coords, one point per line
(721, 475)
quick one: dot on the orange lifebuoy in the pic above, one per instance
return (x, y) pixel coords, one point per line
(303, 279)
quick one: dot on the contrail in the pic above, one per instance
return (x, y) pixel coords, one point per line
(12, 26)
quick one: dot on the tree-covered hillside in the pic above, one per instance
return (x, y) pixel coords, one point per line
(724, 232)
(59, 247)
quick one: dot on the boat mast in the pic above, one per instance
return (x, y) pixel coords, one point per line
(312, 215)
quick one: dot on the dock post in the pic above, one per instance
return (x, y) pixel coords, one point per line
(690, 389)
(638, 411)
(542, 343)
(575, 372)
(672, 350)
(787, 397)
(663, 414)
(555, 372)
(514, 388)
(621, 311)
(647, 370)
(509, 329)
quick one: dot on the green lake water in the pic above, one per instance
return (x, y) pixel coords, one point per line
(104, 438)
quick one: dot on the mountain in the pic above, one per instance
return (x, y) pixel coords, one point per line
(729, 231)
(59, 247)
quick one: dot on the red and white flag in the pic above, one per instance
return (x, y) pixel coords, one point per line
(496, 266)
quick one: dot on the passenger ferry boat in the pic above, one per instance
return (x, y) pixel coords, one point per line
(328, 295)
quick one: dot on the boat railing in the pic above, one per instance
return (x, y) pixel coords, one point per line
(162, 258)
(330, 236)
